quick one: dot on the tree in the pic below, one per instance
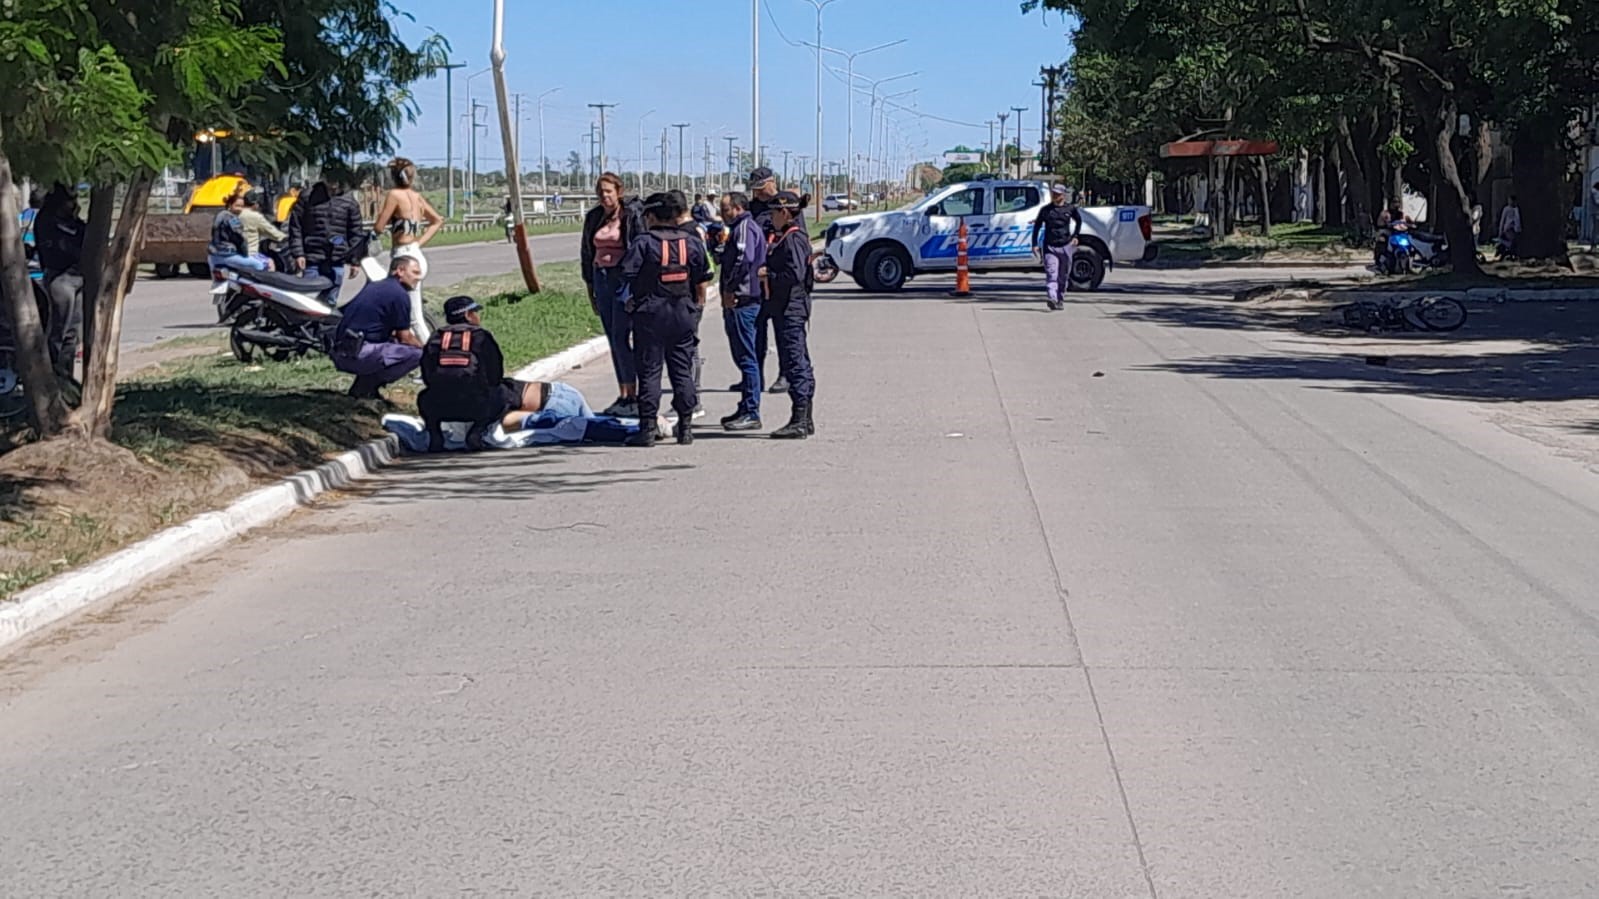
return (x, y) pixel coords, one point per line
(106, 91)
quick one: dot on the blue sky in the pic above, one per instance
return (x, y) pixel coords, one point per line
(973, 59)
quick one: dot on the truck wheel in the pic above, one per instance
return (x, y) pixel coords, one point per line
(199, 270)
(166, 270)
(1088, 269)
(886, 270)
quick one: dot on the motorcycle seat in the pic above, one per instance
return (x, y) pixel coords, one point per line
(286, 281)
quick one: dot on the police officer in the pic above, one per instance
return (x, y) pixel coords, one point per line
(665, 269)
(763, 190)
(58, 233)
(788, 305)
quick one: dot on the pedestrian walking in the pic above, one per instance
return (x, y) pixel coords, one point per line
(742, 258)
(411, 222)
(1060, 224)
(666, 270)
(608, 230)
(788, 306)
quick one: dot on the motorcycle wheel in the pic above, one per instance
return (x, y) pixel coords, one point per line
(1402, 264)
(1436, 314)
(262, 318)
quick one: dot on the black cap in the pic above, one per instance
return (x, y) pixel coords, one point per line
(456, 308)
(760, 174)
(252, 198)
(789, 200)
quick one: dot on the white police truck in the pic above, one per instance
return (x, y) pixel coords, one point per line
(883, 250)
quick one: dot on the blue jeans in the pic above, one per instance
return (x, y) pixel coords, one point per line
(610, 293)
(564, 402)
(238, 263)
(331, 271)
(740, 325)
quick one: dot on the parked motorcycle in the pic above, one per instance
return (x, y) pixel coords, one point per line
(279, 315)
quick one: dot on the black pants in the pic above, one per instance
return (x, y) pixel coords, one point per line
(794, 356)
(665, 332)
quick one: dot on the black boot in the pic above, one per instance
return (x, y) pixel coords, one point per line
(646, 434)
(799, 423)
(684, 432)
(778, 386)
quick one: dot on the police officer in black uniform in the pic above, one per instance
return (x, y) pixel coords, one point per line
(763, 191)
(666, 269)
(788, 305)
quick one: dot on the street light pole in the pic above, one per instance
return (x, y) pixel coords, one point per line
(732, 163)
(544, 178)
(849, 81)
(820, 5)
(641, 150)
(680, 126)
(1018, 110)
(1004, 161)
(755, 75)
(471, 196)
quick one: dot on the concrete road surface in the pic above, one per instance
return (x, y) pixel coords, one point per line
(1068, 605)
(177, 307)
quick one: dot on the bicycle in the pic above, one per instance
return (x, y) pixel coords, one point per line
(1415, 314)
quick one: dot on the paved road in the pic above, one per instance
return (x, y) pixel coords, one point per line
(1008, 627)
(163, 309)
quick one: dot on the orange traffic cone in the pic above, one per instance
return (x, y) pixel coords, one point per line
(963, 279)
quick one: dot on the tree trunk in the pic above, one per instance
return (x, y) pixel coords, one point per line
(47, 406)
(1538, 168)
(1483, 161)
(1265, 196)
(96, 244)
(1355, 171)
(1439, 115)
(1394, 186)
(112, 276)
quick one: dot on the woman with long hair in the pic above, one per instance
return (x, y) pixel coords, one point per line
(411, 222)
(607, 230)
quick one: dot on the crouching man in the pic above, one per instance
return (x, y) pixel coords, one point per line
(464, 371)
(374, 340)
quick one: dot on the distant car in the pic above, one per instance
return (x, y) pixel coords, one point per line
(883, 250)
(836, 202)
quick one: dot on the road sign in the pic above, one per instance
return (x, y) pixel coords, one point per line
(958, 158)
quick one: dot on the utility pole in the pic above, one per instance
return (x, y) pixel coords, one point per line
(1004, 159)
(602, 107)
(1043, 122)
(471, 197)
(641, 159)
(804, 162)
(705, 176)
(732, 163)
(449, 138)
(594, 173)
(1018, 110)
(544, 182)
(680, 126)
(1051, 76)
(664, 160)
(785, 165)
(849, 82)
(989, 159)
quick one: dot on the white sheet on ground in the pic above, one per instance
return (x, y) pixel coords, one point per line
(414, 436)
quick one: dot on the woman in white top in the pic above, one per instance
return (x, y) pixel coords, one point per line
(411, 222)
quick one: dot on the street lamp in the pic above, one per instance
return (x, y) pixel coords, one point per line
(875, 83)
(849, 83)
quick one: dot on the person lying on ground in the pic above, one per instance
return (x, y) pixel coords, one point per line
(374, 340)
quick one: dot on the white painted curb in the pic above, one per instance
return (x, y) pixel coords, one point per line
(49, 602)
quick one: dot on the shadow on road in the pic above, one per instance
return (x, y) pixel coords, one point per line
(1540, 352)
(509, 476)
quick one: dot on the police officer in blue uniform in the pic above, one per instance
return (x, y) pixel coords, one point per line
(666, 269)
(763, 189)
(788, 305)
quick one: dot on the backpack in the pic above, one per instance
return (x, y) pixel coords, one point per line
(451, 365)
(674, 264)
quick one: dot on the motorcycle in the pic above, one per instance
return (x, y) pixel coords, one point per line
(823, 268)
(1407, 251)
(283, 316)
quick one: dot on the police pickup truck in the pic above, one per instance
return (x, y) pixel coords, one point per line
(883, 250)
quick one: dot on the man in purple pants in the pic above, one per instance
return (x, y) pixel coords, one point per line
(375, 341)
(1060, 224)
